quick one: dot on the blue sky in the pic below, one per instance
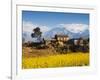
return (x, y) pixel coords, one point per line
(48, 20)
(54, 18)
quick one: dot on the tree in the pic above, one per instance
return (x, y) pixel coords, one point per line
(37, 33)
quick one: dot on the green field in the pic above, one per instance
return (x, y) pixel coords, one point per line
(58, 60)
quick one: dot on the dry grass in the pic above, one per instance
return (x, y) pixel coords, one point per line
(31, 52)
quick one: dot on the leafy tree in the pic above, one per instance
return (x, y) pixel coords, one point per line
(37, 33)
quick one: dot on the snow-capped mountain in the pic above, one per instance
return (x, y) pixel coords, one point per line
(51, 33)
(58, 30)
(63, 31)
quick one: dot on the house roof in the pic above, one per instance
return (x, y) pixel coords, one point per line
(61, 35)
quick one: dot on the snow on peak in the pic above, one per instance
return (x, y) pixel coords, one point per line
(75, 28)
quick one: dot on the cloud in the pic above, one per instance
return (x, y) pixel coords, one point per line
(29, 26)
(75, 28)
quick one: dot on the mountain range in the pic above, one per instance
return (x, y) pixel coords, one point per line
(63, 31)
(58, 30)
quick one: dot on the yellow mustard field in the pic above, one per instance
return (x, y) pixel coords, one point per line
(60, 60)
